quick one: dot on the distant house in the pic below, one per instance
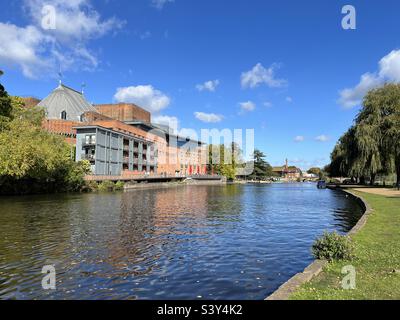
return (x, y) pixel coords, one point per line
(288, 172)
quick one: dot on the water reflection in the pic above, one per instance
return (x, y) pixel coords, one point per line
(228, 242)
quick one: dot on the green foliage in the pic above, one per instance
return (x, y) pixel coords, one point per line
(333, 247)
(315, 170)
(91, 186)
(119, 186)
(372, 145)
(28, 151)
(224, 160)
(5, 107)
(106, 186)
(33, 160)
(34, 115)
(262, 169)
(75, 175)
(377, 248)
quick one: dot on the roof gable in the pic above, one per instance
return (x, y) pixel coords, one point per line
(66, 99)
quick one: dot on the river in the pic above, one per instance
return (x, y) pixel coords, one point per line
(184, 242)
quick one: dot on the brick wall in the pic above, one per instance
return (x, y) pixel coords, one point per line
(124, 112)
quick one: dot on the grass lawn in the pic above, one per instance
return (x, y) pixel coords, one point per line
(377, 256)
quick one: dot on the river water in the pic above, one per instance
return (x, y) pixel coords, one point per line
(187, 242)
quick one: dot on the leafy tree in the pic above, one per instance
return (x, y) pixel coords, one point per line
(35, 115)
(315, 171)
(5, 107)
(33, 160)
(262, 169)
(372, 145)
(224, 160)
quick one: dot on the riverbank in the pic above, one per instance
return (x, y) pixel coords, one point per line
(377, 262)
(156, 185)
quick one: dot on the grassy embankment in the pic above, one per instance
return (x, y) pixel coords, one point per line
(377, 262)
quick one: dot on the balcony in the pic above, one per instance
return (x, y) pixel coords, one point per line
(126, 159)
(89, 157)
(87, 144)
(126, 147)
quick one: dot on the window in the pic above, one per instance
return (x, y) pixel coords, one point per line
(64, 115)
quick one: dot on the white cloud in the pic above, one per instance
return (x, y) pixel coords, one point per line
(267, 104)
(22, 47)
(159, 4)
(299, 139)
(352, 97)
(389, 70)
(146, 97)
(322, 138)
(208, 86)
(75, 20)
(260, 75)
(390, 66)
(38, 51)
(247, 106)
(289, 99)
(208, 117)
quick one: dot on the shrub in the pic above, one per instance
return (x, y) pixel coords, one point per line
(91, 186)
(119, 186)
(106, 186)
(75, 175)
(332, 246)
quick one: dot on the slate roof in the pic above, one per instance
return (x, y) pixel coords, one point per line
(66, 99)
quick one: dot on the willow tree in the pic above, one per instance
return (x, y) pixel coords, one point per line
(372, 145)
(382, 112)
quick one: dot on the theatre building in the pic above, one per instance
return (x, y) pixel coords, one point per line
(120, 139)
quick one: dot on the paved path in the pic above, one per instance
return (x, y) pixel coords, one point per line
(380, 191)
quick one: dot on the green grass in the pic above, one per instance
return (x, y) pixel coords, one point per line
(377, 250)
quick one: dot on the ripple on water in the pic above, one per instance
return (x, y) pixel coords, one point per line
(193, 242)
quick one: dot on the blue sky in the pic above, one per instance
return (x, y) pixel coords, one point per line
(285, 68)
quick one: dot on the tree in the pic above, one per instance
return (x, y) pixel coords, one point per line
(224, 160)
(33, 160)
(315, 171)
(262, 169)
(5, 107)
(372, 145)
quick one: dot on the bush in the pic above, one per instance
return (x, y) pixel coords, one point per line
(119, 186)
(332, 246)
(106, 186)
(91, 186)
(75, 175)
